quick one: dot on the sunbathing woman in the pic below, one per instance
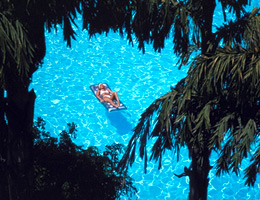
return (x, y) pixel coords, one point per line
(107, 95)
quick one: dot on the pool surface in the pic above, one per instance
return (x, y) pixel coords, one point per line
(63, 96)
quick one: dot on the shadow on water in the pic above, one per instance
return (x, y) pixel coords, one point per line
(119, 121)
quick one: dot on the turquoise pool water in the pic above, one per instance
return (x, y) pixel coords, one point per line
(63, 95)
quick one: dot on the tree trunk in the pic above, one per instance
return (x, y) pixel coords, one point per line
(3, 134)
(198, 174)
(20, 110)
(19, 159)
(206, 26)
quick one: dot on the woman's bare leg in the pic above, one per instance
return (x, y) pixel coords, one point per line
(115, 95)
(111, 102)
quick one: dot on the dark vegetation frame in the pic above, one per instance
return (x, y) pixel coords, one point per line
(216, 112)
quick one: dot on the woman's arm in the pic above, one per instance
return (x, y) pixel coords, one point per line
(110, 91)
(97, 95)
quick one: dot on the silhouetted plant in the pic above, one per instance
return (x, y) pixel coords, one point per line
(64, 170)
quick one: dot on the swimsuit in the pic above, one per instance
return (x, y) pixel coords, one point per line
(106, 95)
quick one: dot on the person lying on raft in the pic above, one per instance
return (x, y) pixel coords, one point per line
(107, 95)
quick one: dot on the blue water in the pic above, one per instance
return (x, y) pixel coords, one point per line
(63, 95)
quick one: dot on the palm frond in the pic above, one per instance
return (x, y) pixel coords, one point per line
(229, 79)
(55, 13)
(104, 16)
(233, 6)
(16, 50)
(160, 114)
(165, 125)
(243, 30)
(253, 169)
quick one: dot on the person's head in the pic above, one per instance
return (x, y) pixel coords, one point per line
(101, 86)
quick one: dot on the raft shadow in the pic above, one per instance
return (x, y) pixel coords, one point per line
(119, 121)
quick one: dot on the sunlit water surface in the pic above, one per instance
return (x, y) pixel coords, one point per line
(63, 95)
